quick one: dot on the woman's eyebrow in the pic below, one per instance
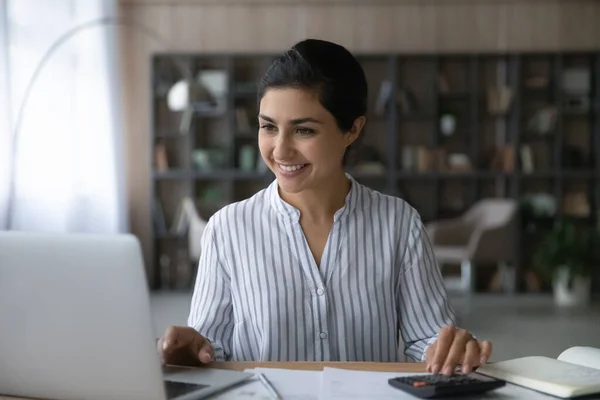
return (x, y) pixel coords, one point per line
(295, 121)
(298, 121)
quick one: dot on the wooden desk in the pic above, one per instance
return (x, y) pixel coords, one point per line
(314, 366)
(317, 366)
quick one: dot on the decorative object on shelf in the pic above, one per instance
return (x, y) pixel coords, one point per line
(408, 158)
(161, 159)
(208, 159)
(504, 159)
(243, 122)
(211, 196)
(576, 204)
(459, 162)
(216, 82)
(448, 124)
(448, 119)
(536, 81)
(185, 93)
(201, 159)
(576, 81)
(567, 257)
(383, 98)
(247, 158)
(499, 100)
(535, 207)
(576, 104)
(423, 159)
(543, 121)
(576, 84)
(527, 162)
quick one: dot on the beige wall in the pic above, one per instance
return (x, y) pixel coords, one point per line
(363, 26)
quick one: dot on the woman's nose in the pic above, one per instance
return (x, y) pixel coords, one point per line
(284, 147)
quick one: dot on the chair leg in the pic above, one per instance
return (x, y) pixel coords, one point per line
(466, 276)
(508, 273)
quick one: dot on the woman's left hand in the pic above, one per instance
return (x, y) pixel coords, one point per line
(454, 347)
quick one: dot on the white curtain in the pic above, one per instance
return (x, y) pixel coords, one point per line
(68, 174)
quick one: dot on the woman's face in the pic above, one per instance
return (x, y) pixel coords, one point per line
(299, 139)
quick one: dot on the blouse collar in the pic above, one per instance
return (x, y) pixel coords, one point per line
(287, 210)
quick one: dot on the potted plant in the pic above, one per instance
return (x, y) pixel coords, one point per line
(567, 257)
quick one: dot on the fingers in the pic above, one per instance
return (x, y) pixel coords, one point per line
(184, 346)
(442, 346)
(206, 352)
(471, 357)
(171, 339)
(485, 351)
(457, 351)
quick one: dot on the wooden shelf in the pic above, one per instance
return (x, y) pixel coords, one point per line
(467, 76)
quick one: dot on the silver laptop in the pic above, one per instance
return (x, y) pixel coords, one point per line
(75, 323)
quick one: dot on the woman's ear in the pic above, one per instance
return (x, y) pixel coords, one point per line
(356, 129)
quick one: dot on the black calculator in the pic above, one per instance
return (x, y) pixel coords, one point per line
(438, 385)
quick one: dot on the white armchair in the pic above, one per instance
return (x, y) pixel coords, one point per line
(486, 233)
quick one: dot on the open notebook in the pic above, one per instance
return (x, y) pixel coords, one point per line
(576, 372)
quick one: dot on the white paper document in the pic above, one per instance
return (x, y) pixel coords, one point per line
(294, 385)
(360, 385)
(290, 384)
(334, 384)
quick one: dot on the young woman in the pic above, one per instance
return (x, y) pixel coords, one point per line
(317, 266)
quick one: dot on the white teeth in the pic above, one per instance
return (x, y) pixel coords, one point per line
(291, 168)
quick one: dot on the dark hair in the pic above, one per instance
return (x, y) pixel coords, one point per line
(327, 68)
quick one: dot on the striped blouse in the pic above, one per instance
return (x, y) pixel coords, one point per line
(260, 296)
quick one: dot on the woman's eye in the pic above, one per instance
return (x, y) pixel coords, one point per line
(305, 131)
(268, 127)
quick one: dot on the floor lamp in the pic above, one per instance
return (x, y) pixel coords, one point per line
(191, 85)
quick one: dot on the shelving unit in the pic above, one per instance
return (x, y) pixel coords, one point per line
(423, 89)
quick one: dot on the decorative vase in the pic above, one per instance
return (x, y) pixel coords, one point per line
(578, 295)
(447, 124)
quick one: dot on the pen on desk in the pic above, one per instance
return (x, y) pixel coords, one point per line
(269, 387)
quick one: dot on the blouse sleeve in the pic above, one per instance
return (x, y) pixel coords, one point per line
(422, 301)
(211, 312)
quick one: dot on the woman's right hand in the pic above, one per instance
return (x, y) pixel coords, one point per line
(182, 345)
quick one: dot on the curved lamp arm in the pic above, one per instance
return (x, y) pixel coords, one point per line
(104, 21)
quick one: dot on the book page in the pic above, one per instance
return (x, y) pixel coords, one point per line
(582, 355)
(547, 375)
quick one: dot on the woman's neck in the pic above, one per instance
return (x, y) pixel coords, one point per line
(319, 204)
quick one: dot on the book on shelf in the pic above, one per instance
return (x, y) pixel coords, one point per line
(243, 121)
(527, 163)
(161, 160)
(504, 159)
(576, 372)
